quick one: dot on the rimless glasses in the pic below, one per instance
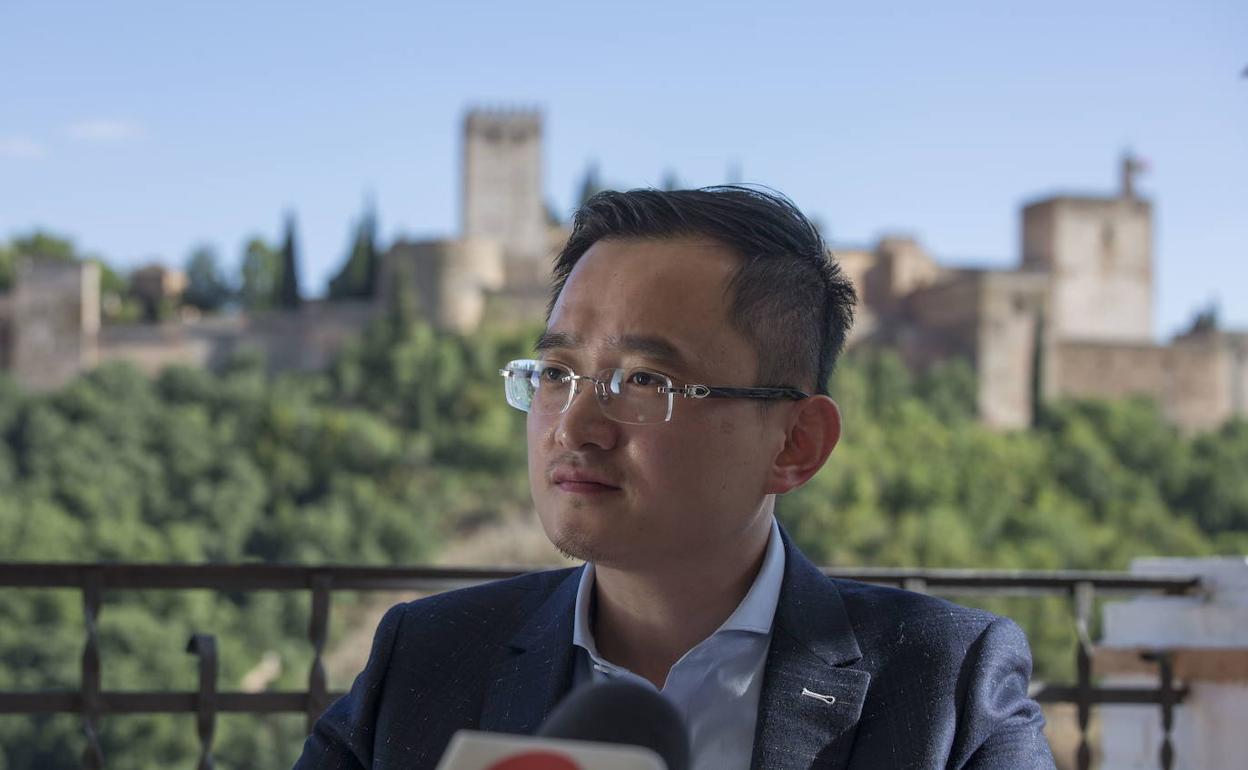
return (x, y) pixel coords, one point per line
(636, 396)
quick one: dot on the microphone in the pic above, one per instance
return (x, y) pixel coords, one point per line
(608, 726)
(622, 713)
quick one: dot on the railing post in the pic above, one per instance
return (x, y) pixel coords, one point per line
(1165, 670)
(1083, 594)
(93, 755)
(204, 646)
(318, 632)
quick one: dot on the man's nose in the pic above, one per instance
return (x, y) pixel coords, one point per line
(583, 423)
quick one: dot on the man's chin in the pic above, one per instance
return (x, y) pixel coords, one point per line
(590, 530)
(573, 547)
(575, 539)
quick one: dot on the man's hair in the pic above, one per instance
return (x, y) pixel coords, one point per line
(790, 298)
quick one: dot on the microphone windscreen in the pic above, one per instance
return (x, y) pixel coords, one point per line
(625, 713)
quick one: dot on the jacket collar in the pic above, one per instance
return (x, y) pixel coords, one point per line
(813, 648)
(536, 669)
(812, 699)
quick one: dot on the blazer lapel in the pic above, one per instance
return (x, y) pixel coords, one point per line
(536, 670)
(811, 701)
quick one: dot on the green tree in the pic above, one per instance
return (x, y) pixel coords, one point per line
(288, 278)
(261, 265)
(1216, 491)
(950, 389)
(206, 286)
(8, 266)
(358, 276)
(116, 303)
(37, 243)
(1039, 361)
(45, 245)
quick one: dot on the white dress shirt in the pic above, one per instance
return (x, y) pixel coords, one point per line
(717, 684)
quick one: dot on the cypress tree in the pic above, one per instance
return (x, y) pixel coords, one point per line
(368, 247)
(288, 287)
(358, 276)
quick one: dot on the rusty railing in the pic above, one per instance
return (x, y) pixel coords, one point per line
(93, 580)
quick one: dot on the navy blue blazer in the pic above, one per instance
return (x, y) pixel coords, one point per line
(919, 682)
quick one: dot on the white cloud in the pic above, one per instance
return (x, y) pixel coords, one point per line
(21, 148)
(104, 130)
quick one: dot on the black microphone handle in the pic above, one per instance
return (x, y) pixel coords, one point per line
(622, 713)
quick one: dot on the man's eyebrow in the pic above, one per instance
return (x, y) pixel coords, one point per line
(649, 345)
(555, 341)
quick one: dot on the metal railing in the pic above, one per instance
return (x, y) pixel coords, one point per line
(92, 703)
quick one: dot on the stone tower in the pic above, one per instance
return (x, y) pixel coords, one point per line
(56, 321)
(502, 189)
(1098, 253)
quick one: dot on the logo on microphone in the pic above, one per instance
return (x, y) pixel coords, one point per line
(535, 760)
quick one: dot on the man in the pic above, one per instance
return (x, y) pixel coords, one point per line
(681, 384)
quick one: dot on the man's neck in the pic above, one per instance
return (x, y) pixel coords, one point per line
(646, 620)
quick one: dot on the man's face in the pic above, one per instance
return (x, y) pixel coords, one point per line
(677, 490)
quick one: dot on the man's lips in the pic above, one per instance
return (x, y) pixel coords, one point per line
(581, 481)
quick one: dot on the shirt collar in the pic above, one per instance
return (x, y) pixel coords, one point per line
(754, 614)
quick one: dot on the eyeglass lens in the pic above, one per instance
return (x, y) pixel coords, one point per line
(624, 395)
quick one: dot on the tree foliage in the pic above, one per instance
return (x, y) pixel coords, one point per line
(8, 267)
(261, 265)
(288, 295)
(37, 243)
(45, 245)
(206, 285)
(358, 276)
(116, 304)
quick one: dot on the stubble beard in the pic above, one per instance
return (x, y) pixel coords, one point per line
(570, 543)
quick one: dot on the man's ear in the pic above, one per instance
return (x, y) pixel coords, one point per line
(814, 428)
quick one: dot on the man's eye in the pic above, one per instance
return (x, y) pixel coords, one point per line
(553, 374)
(643, 379)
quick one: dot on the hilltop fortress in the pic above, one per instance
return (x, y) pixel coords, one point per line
(1074, 318)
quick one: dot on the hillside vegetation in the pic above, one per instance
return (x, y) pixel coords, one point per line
(406, 443)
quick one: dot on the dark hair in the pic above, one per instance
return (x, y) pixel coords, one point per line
(789, 296)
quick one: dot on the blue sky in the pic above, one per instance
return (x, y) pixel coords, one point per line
(143, 129)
